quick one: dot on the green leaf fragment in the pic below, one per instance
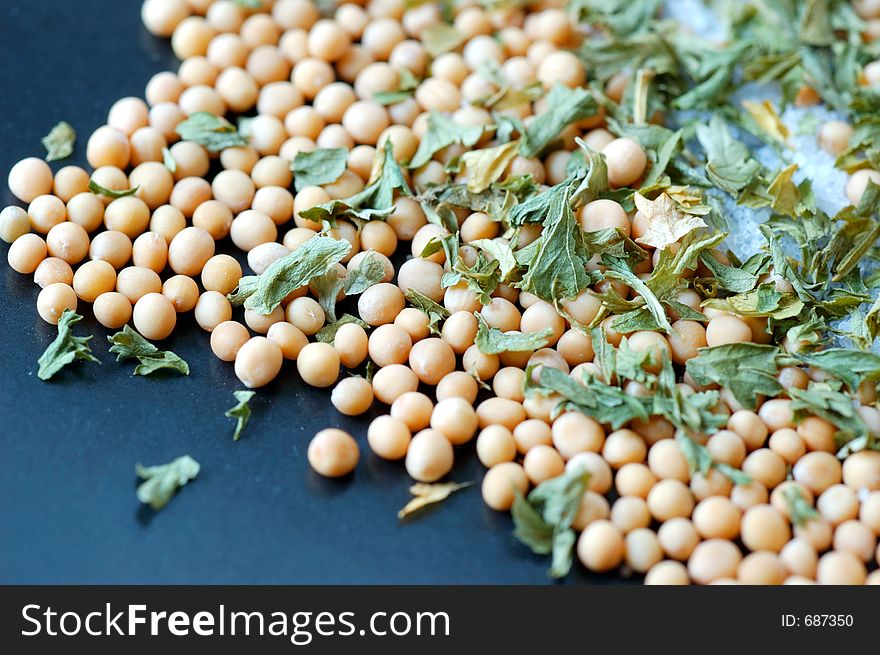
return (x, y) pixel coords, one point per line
(800, 510)
(59, 142)
(542, 521)
(729, 278)
(375, 201)
(441, 38)
(161, 482)
(99, 190)
(313, 258)
(564, 107)
(747, 369)
(605, 403)
(65, 348)
(240, 411)
(729, 165)
(212, 132)
(370, 271)
(328, 333)
(442, 132)
(168, 160)
(318, 167)
(492, 341)
(557, 261)
(434, 311)
(485, 166)
(128, 344)
(700, 461)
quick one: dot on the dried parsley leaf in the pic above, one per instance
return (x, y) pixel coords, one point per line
(852, 367)
(377, 198)
(729, 278)
(161, 482)
(98, 190)
(763, 301)
(428, 494)
(665, 222)
(442, 132)
(487, 165)
(358, 280)
(247, 285)
(128, 344)
(321, 166)
(327, 287)
(66, 348)
(605, 403)
(619, 271)
(215, 133)
(799, 509)
(834, 406)
(328, 333)
(482, 278)
(767, 120)
(620, 17)
(700, 461)
(729, 164)
(557, 261)
(168, 160)
(441, 38)
(59, 142)
(250, 4)
(313, 258)
(492, 341)
(781, 264)
(543, 520)
(432, 310)
(500, 252)
(407, 84)
(240, 411)
(564, 106)
(747, 369)
(370, 271)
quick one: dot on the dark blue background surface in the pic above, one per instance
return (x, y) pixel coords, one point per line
(256, 513)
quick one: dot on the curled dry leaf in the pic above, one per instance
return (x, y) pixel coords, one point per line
(765, 116)
(428, 494)
(666, 223)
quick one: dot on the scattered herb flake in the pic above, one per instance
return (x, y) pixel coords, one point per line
(161, 482)
(492, 341)
(66, 348)
(215, 133)
(564, 107)
(59, 142)
(434, 311)
(799, 509)
(665, 222)
(128, 344)
(240, 411)
(542, 521)
(328, 333)
(98, 190)
(168, 160)
(313, 258)
(321, 166)
(428, 494)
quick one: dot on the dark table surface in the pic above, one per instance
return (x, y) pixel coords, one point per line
(256, 513)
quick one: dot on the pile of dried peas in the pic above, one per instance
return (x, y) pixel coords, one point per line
(146, 257)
